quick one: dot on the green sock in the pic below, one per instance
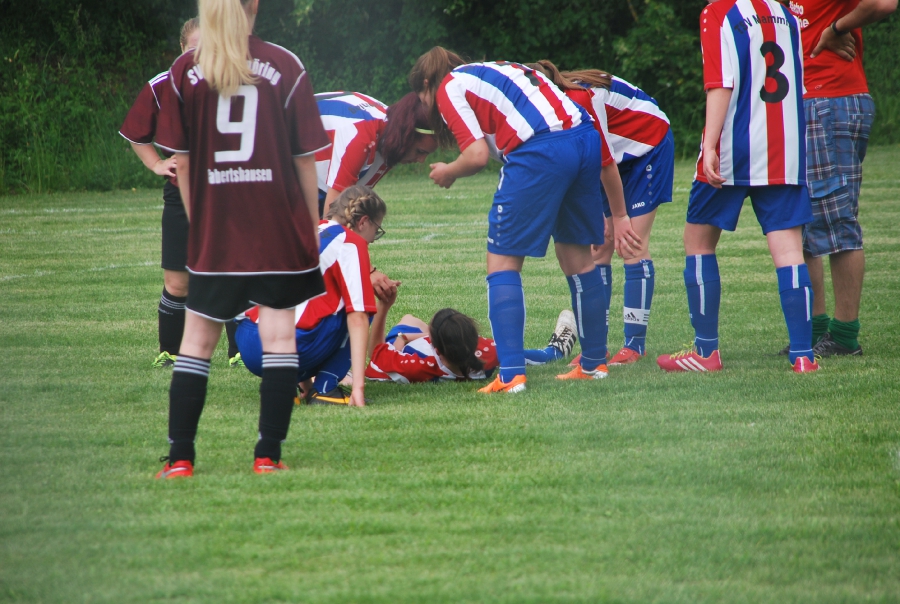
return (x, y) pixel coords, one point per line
(845, 334)
(820, 326)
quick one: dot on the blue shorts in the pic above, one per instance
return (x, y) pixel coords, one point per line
(550, 185)
(396, 330)
(324, 348)
(648, 180)
(777, 207)
(837, 137)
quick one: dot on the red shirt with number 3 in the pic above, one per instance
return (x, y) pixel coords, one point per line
(247, 213)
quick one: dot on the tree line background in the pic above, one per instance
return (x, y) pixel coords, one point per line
(69, 70)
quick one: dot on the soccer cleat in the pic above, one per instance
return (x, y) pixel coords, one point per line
(576, 361)
(689, 360)
(580, 374)
(179, 469)
(164, 360)
(335, 396)
(236, 361)
(804, 365)
(515, 386)
(828, 347)
(563, 338)
(264, 465)
(626, 356)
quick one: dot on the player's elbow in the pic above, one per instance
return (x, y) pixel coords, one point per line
(883, 8)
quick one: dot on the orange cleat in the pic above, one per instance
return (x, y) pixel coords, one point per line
(626, 356)
(578, 373)
(515, 386)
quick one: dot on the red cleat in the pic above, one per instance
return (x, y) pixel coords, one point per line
(178, 469)
(804, 365)
(576, 361)
(689, 360)
(626, 356)
(264, 465)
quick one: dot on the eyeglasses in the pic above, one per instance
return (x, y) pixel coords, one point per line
(379, 232)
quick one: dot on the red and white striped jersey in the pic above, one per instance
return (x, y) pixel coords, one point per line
(754, 48)
(139, 126)
(344, 262)
(353, 122)
(507, 100)
(584, 97)
(634, 122)
(417, 362)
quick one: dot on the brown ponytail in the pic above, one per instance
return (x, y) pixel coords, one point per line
(455, 336)
(572, 80)
(433, 67)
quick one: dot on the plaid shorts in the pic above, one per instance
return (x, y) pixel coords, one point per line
(837, 135)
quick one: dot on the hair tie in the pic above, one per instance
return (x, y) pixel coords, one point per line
(425, 131)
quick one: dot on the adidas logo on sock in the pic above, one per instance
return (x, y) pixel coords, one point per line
(630, 318)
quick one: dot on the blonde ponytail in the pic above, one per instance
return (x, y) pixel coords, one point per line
(224, 50)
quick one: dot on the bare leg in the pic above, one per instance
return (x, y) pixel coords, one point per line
(817, 278)
(847, 270)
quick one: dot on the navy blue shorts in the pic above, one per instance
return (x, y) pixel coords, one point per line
(549, 185)
(777, 207)
(648, 180)
(326, 347)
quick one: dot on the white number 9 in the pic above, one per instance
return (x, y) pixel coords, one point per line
(246, 127)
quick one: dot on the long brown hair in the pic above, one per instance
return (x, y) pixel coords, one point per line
(404, 120)
(573, 80)
(455, 336)
(224, 50)
(354, 203)
(433, 67)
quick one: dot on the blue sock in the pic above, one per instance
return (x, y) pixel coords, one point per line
(534, 356)
(704, 291)
(796, 294)
(606, 274)
(639, 281)
(591, 310)
(506, 310)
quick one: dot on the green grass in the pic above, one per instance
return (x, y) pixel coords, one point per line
(750, 485)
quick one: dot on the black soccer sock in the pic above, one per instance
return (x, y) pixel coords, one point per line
(171, 322)
(230, 330)
(187, 395)
(276, 402)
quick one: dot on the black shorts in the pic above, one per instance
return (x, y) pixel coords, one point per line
(174, 230)
(223, 297)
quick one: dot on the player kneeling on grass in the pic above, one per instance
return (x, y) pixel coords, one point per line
(548, 186)
(754, 144)
(449, 348)
(326, 323)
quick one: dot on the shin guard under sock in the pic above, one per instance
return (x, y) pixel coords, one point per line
(171, 322)
(506, 311)
(591, 315)
(276, 403)
(704, 292)
(796, 294)
(187, 395)
(639, 282)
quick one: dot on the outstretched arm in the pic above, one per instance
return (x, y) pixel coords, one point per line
(471, 161)
(358, 326)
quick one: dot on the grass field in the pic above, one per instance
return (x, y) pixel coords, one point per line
(750, 485)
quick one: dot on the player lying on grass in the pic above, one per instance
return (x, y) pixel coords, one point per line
(754, 144)
(547, 187)
(449, 348)
(642, 145)
(368, 139)
(332, 330)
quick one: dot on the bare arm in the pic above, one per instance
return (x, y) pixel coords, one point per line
(627, 241)
(865, 13)
(182, 169)
(471, 161)
(358, 326)
(305, 167)
(330, 196)
(148, 156)
(717, 101)
(376, 332)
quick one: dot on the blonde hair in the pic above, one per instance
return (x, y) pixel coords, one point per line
(224, 50)
(354, 203)
(189, 27)
(572, 80)
(434, 66)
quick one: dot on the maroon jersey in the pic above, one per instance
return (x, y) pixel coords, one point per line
(140, 123)
(247, 213)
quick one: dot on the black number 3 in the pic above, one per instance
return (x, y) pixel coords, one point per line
(781, 82)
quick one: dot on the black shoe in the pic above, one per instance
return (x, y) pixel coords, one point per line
(827, 347)
(785, 351)
(335, 396)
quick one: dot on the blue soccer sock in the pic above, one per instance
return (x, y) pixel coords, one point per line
(534, 356)
(639, 281)
(589, 303)
(607, 282)
(506, 311)
(796, 293)
(704, 292)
